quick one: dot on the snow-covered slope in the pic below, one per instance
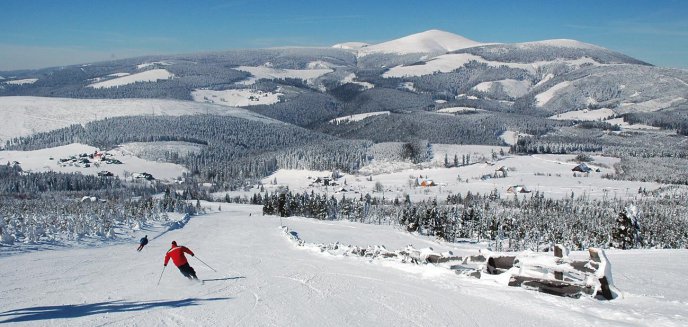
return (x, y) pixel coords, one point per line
(513, 88)
(544, 97)
(550, 175)
(599, 114)
(21, 116)
(267, 72)
(562, 43)
(432, 41)
(152, 75)
(453, 110)
(440, 64)
(262, 279)
(351, 78)
(236, 98)
(22, 81)
(625, 88)
(357, 117)
(48, 160)
(350, 45)
(148, 64)
(449, 62)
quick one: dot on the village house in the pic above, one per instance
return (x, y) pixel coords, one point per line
(515, 189)
(583, 168)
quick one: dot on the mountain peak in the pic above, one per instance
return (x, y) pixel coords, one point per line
(430, 41)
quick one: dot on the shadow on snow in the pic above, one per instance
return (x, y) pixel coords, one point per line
(226, 278)
(82, 310)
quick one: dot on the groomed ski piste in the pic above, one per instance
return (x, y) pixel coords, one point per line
(264, 279)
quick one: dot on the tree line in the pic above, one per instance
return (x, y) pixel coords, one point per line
(507, 224)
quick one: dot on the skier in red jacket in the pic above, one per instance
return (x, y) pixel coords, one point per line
(177, 255)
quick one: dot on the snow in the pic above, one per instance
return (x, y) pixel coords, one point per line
(442, 64)
(483, 87)
(476, 151)
(21, 116)
(544, 97)
(148, 64)
(156, 150)
(263, 279)
(408, 86)
(351, 78)
(39, 161)
(432, 41)
(681, 81)
(118, 74)
(319, 64)
(350, 45)
(549, 174)
(577, 63)
(450, 62)
(236, 98)
(152, 75)
(650, 105)
(597, 114)
(590, 101)
(357, 117)
(513, 88)
(562, 43)
(544, 79)
(509, 137)
(458, 110)
(625, 125)
(267, 72)
(22, 81)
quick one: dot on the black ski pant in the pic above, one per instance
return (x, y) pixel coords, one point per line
(187, 271)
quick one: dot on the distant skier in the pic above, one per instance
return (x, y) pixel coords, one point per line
(177, 255)
(142, 243)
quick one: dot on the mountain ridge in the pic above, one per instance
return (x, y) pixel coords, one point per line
(425, 71)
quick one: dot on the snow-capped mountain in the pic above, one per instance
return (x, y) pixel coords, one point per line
(432, 41)
(406, 74)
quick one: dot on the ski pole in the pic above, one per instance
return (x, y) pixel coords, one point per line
(163, 271)
(205, 263)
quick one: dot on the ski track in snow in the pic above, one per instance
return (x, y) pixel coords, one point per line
(263, 279)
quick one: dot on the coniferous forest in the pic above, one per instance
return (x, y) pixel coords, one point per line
(509, 224)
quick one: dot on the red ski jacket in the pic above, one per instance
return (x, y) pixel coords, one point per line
(177, 255)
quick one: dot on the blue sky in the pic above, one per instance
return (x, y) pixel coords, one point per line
(39, 33)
